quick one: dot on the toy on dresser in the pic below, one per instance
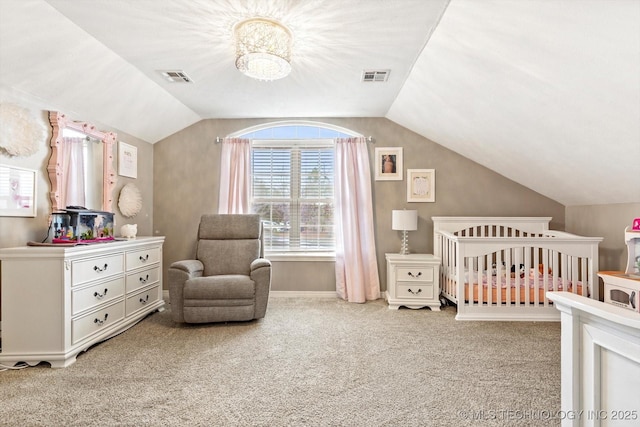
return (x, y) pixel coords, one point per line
(632, 239)
(129, 231)
(623, 289)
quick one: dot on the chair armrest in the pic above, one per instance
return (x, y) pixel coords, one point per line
(261, 275)
(179, 272)
(258, 263)
(189, 266)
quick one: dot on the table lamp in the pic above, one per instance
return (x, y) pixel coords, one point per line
(404, 221)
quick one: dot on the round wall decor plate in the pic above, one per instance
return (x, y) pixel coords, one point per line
(130, 200)
(20, 133)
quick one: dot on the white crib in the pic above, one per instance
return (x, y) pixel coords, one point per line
(500, 268)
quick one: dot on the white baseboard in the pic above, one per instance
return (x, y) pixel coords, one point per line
(311, 294)
(290, 294)
(284, 294)
(303, 294)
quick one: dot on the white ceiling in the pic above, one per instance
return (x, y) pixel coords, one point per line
(546, 93)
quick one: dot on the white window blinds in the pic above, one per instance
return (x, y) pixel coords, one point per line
(292, 190)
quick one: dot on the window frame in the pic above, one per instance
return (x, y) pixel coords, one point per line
(321, 127)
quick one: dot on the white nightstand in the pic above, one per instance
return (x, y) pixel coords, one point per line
(413, 281)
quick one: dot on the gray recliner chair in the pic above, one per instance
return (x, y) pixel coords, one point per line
(229, 280)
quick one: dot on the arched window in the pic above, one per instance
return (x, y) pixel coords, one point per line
(292, 178)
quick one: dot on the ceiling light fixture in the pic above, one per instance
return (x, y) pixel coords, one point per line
(263, 49)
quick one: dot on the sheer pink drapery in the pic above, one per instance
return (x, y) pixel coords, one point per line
(235, 172)
(72, 160)
(357, 278)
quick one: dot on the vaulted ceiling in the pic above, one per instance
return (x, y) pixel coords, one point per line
(546, 93)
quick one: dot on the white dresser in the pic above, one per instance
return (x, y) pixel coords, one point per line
(413, 281)
(600, 362)
(59, 301)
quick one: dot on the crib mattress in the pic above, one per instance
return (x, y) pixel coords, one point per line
(513, 298)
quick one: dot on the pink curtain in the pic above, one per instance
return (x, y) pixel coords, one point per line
(235, 169)
(72, 161)
(357, 277)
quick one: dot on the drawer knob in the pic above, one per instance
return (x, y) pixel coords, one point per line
(415, 276)
(144, 300)
(144, 279)
(101, 322)
(99, 295)
(144, 258)
(416, 292)
(98, 269)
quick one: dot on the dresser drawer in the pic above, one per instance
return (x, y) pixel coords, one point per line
(86, 270)
(415, 290)
(142, 299)
(143, 257)
(143, 278)
(415, 273)
(91, 323)
(93, 296)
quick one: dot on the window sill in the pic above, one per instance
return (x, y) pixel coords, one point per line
(301, 256)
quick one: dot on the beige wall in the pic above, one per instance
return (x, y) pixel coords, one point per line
(609, 222)
(186, 181)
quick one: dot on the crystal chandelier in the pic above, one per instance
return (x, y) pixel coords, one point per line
(263, 49)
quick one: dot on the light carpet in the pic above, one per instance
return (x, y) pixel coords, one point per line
(309, 362)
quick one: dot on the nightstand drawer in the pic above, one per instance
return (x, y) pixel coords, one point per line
(417, 290)
(415, 273)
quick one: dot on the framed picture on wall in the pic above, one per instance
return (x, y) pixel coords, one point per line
(421, 185)
(388, 163)
(17, 191)
(127, 160)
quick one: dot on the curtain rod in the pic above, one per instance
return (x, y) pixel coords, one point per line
(218, 139)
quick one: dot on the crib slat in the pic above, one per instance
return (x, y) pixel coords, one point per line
(480, 263)
(546, 262)
(581, 274)
(507, 275)
(564, 269)
(575, 282)
(526, 279)
(517, 280)
(489, 272)
(553, 260)
(536, 276)
(451, 288)
(499, 272)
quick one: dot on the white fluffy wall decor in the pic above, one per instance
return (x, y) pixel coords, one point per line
(20, 132)
(130, 200)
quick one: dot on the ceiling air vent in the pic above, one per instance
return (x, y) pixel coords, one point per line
(375, 75)
(176, 76)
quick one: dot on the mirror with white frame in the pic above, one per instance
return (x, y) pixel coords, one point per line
(81, 167)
